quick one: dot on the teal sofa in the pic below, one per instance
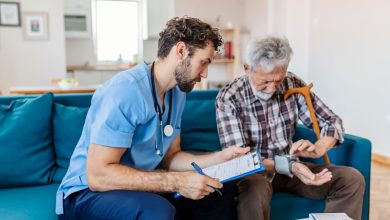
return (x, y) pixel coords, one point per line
(37, 141)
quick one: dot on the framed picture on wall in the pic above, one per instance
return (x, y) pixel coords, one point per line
(35, 26)
(10, 14)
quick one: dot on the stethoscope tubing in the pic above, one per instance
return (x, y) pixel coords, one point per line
(159, 112)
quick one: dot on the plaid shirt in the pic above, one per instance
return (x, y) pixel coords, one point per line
(268, 126)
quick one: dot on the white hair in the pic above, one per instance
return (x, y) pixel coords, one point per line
(268, 53)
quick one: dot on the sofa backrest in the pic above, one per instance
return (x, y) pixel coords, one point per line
(77, 100)
(199, 127)
(199, 133)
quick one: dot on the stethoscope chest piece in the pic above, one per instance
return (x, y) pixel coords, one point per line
(168, 130)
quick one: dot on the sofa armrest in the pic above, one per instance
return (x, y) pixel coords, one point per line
(354, 152)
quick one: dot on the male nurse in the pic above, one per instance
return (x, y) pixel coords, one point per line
(128, 163)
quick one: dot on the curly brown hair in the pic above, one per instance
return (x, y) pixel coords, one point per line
(192, 31)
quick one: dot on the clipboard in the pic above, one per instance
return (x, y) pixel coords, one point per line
(234, 169)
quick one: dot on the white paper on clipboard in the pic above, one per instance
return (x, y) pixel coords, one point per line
(235, 168)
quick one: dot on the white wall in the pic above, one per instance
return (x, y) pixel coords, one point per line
(30, 63)
(226, 10)
(282, 18)
(342, 47)
(155, 24)
(298, 33)
(256, 13)
(218, 13)
(349, 64)
(80, 51)
(256, 23)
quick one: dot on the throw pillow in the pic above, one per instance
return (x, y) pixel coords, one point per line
(68, 122)
(26, 151)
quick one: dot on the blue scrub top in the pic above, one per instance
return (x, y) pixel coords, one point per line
(122, 114)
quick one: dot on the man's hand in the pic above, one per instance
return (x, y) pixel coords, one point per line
(304, 148)
(307, 177)
(196, 186)
(233, 152)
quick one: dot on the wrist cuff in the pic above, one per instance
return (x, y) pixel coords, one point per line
(283, 164)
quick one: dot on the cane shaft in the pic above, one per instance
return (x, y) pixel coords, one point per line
(305, 91)
(314, 120)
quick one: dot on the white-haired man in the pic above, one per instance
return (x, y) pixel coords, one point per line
(251, 112)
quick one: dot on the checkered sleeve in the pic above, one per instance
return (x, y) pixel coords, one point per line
(229, 125)
(330, 124)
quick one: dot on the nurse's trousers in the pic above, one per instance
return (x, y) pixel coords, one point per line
(129, 205)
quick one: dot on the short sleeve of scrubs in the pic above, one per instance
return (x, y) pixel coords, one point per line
(117, 110)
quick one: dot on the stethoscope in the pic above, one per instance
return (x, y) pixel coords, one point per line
(168, 129)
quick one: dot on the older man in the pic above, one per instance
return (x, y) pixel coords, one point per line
(251, 112)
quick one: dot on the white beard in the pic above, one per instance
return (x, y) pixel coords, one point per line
(263, 96)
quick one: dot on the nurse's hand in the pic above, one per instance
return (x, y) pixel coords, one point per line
(232, 152)
(194, 186)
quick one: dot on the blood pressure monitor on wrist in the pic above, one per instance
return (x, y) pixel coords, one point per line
(283, 164)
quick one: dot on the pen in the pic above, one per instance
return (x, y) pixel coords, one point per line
(197, 168)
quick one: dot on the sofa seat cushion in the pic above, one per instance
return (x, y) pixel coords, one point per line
(68, 122)
(29, 203)
(289, 206)
(26, 142)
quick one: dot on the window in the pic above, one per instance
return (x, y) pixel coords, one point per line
(117, 30)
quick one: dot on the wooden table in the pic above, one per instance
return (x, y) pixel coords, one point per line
(54, 89)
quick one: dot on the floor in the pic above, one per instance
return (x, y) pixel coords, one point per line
(380, 192)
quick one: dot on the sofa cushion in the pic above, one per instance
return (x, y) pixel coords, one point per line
(26, 151)
(29, 203)
(199, 126)
(68, 122)
(294, 206)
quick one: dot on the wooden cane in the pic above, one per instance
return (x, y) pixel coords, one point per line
(305, 91)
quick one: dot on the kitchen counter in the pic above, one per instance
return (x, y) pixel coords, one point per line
(101, 67)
